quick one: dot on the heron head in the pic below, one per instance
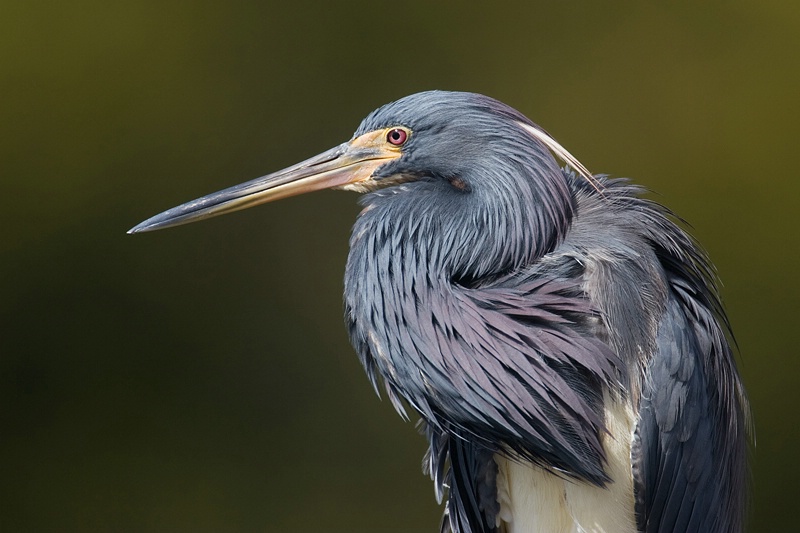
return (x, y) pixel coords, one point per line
(462, 154)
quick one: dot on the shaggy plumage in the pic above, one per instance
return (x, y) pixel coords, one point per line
(561, 338)
(502, 307)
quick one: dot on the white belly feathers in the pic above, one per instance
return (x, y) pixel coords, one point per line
(533, 500)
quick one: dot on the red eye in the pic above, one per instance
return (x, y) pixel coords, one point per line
(397, 136)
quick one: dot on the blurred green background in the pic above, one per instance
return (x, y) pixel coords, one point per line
(200, 379)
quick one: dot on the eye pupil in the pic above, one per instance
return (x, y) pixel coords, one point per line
(397, 136)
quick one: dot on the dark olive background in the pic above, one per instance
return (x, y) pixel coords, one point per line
(200, 379)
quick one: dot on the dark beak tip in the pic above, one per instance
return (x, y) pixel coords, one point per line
(143, 227)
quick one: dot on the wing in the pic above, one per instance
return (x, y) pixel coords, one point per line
(523, 373)
(690, 446)
(528, 374)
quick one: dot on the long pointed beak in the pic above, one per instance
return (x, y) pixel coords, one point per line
(348, 165)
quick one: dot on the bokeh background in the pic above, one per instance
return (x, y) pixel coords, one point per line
(200, 379)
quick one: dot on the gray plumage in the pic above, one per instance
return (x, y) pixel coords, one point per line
(500, 313)
(506, 299)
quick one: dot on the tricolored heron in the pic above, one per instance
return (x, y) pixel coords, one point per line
(560, 337)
